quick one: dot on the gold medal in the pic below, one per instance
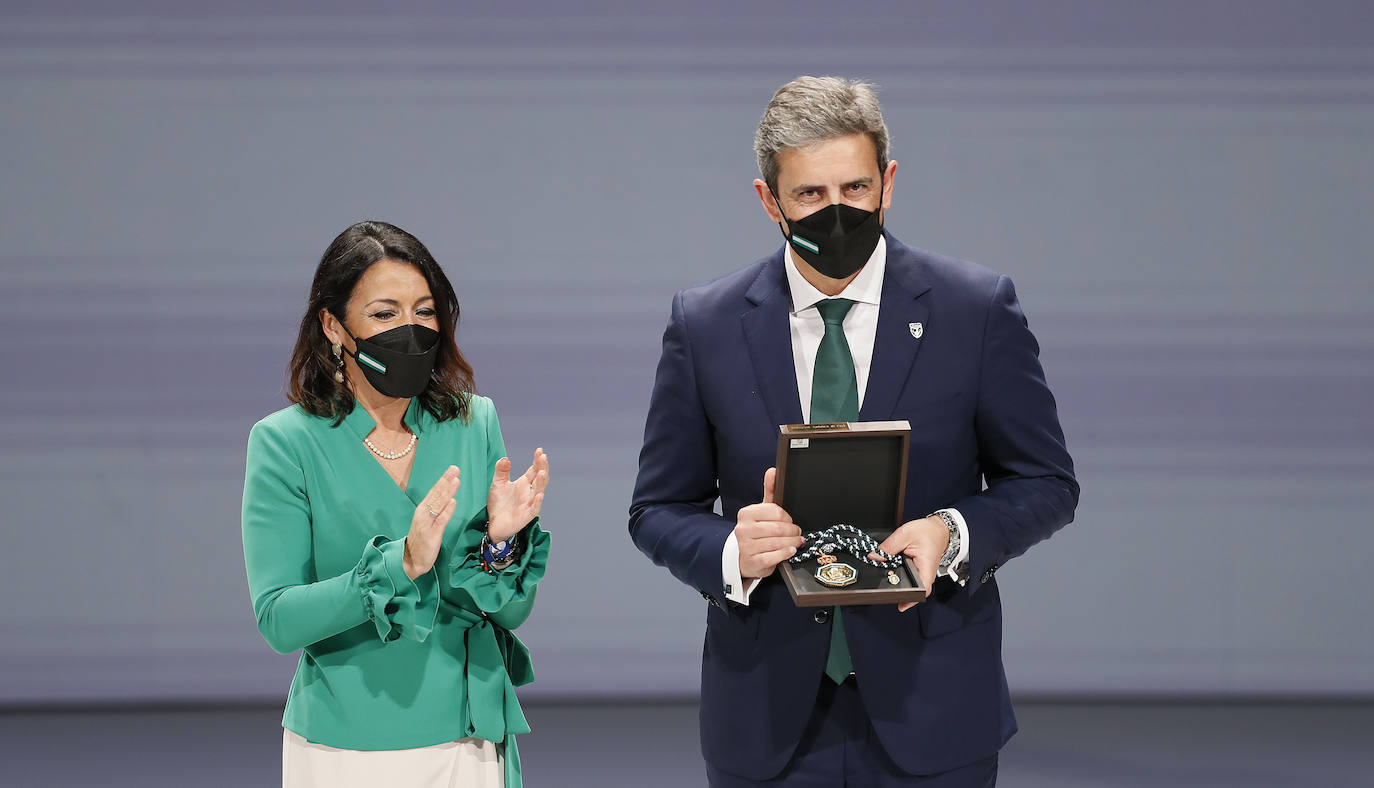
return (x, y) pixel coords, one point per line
(892, 578)
(836, 575)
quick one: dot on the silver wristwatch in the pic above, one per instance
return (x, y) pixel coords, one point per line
(953, 549)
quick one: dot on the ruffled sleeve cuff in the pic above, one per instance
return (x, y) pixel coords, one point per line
(397, 605)
(492, 591)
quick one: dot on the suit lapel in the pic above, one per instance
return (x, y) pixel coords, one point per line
(768, 335)
(894, 346)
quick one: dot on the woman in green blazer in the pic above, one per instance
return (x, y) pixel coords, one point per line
(385, 538)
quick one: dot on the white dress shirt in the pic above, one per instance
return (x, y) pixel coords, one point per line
(860, 329)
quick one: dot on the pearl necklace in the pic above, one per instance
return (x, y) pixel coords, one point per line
(390, 455)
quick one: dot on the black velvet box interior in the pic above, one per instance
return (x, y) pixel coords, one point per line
(853, 473)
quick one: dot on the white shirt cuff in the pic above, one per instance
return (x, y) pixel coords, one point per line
(737, 589)
(958, 566)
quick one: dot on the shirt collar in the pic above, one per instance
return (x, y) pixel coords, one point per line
(866, 288)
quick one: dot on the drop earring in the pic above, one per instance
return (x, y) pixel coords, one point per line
(337, 350)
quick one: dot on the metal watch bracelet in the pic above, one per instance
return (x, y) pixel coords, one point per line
(953, 548)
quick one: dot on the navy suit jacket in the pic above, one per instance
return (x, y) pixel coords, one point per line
(973, 389)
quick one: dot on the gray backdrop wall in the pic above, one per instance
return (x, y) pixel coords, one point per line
(1182, 191)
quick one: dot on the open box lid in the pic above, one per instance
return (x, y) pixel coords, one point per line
(845, 472)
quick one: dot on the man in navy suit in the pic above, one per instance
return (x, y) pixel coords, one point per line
(846, 323)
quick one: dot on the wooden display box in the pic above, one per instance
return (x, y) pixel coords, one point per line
(847, 472)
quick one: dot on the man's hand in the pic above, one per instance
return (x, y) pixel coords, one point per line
(765, 534)
(925, 542)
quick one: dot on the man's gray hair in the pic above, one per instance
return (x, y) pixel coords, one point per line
(809, 110)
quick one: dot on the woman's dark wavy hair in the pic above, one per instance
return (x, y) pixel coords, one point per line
(310, 375)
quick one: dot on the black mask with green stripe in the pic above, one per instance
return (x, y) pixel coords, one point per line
(836, 240)
(398, 362)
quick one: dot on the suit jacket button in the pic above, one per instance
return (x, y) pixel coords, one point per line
(821, 616)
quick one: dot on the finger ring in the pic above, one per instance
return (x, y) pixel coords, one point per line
(431, 511)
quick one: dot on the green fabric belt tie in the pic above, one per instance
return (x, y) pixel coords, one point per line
(835, 397)
(497, 662)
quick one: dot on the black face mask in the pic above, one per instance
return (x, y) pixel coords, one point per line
(397, 362)
(836, 240)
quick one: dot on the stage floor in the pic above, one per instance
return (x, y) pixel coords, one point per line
(1061, 745)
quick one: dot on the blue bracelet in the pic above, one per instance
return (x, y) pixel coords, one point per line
(493, 555)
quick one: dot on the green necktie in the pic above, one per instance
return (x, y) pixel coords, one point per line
(835, 397)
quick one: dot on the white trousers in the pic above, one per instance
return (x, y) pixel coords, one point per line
(466, 763)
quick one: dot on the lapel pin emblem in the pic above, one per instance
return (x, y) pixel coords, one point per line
(916, 329)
